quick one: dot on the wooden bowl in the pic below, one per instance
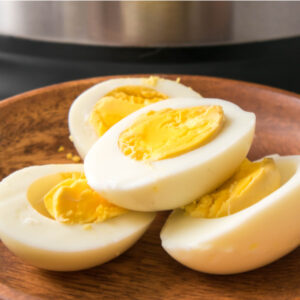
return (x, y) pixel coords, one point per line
(33, 126)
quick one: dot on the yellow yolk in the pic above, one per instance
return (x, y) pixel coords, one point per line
(152, 80)
(167, 133)
(119, 103)
(252, 182)
(73, 201)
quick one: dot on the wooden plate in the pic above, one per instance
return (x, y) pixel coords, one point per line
(32, 127)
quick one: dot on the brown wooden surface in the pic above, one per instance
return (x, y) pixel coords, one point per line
(32, 127)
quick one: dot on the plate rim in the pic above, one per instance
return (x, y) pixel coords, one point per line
(73, 83)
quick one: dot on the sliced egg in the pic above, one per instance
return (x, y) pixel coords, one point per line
(100, 107)
(38, 226)
(247, 239)
(166, 154)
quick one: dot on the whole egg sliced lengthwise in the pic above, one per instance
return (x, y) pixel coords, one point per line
(243, 241)
(83, 133)
(171, 182)
(28, 232)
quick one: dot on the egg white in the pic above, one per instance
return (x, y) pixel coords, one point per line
(173, 182)
(83, 133)
(243, 241)
(48, 244)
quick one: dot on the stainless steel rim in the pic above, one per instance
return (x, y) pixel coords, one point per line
(150, 23)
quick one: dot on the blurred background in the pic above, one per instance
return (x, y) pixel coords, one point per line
(43, 43)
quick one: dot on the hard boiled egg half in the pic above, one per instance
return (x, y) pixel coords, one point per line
(100, 107)
(166, 154)
(52, 219)
(248, 222)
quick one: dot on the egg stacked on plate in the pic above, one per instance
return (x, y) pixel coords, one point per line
(151, 144)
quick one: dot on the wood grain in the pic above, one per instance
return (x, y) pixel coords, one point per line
(32, 127)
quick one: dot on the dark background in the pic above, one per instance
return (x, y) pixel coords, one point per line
(25, 65)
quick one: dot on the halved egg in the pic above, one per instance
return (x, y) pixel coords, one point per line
(242, 239)
(100, 107)
(52, 219)
(165, 155)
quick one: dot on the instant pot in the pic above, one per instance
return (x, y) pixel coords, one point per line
(49, 42)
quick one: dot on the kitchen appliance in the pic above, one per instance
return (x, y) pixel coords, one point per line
(48, 42)
(150, 24)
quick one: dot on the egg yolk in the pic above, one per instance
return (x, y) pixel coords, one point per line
(167, 133)
(119, 103)
(73, 201)
(252, 182)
